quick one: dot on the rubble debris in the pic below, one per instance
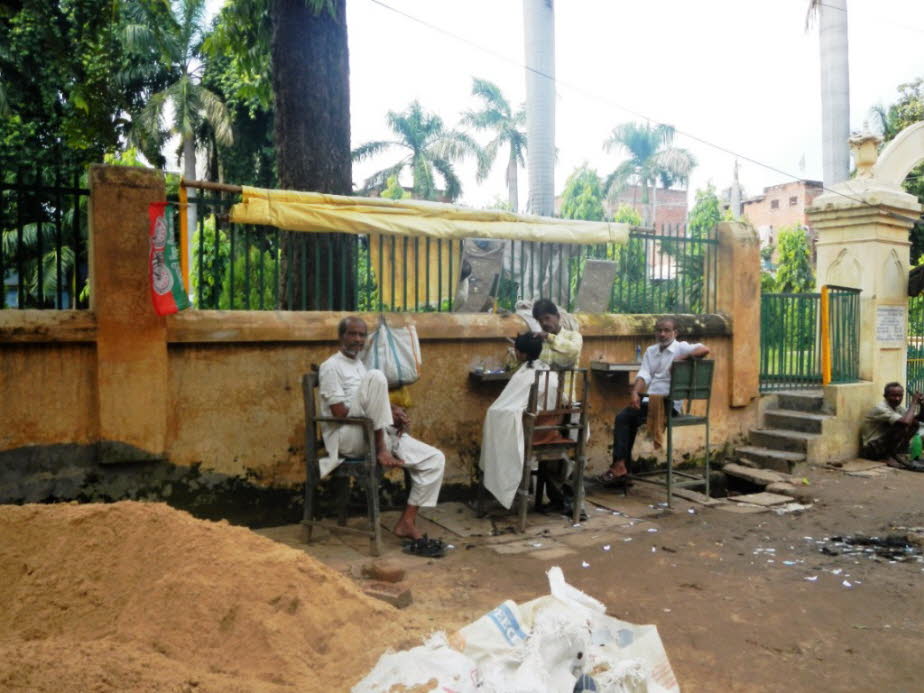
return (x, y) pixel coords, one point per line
(893, 547)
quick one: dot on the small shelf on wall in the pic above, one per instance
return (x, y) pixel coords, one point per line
(480, 375)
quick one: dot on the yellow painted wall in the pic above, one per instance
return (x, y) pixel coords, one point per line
(223, 388)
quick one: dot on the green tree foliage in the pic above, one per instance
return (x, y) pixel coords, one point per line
(706, 213)
(393, 191)
(652, 159)
(429, 150)
(907, 110)
(583, 196)
(237, 69)
(497, 116)
(170, 43)
(794, 272)
(66, 81)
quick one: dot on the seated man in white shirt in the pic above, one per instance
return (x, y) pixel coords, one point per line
(346, 388)
(655, 376)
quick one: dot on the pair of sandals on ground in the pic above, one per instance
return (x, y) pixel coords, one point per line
(425, 547)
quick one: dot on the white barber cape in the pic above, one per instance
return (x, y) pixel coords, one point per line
(502, 444)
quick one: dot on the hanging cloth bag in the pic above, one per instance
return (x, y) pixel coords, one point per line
(395, 351)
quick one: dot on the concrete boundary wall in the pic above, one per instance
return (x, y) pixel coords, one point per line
(118, 388)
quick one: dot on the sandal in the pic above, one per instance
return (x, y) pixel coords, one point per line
(425, 547)
(610, 480)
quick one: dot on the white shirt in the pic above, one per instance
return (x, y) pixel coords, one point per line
(338, 380)
(656, 365)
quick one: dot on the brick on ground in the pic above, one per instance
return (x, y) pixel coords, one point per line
(383, 571)
(396, 594)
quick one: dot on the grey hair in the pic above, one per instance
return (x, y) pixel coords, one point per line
(342, 327)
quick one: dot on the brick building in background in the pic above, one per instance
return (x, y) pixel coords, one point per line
(670, 205)
(781, 205)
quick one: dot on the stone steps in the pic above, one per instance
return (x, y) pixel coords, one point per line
(781, 439)
(790, 420)
(767, 458)
(803, 400)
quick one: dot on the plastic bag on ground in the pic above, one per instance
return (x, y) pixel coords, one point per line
(543, 646)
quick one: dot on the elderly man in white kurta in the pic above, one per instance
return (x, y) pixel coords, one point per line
(346, 388)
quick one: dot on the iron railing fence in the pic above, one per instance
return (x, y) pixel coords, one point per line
(844, 331)
(238, 267)
(43, 249)
(914, 378)
(809, 339)
(790, 354)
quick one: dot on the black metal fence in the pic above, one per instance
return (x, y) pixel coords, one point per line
(44, 261)
(43, 252)
(237, 267)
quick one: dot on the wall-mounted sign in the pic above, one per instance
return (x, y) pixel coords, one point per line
(890, 323)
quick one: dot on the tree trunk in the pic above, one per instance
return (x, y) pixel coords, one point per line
(512, 190)
(835, 90)
(539, 29)
(539, 35)
(311, 85)
(653, 206)
(192, 212)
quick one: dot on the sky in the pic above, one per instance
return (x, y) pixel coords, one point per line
(737, 76)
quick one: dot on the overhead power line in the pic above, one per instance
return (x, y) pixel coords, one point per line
(609, 102)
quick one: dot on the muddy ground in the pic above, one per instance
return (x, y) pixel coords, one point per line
(733, 615)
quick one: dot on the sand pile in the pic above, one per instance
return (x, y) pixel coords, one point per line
(142, 597)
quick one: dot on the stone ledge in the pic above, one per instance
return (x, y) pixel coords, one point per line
(198, 326)
(47, 326)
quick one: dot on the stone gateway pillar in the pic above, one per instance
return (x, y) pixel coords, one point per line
(863, 242)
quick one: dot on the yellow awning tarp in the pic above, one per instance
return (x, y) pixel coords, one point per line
(308, 211)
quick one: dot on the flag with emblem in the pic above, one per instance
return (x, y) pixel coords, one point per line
(167, 290)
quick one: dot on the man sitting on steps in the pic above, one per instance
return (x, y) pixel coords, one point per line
(889, 426)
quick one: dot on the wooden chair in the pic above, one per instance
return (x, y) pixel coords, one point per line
(566, 413)
(365, 469)
(691, 380)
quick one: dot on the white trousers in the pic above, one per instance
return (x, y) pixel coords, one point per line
(424, 462)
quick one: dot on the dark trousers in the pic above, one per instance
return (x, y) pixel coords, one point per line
(894, 442)
(626, 427)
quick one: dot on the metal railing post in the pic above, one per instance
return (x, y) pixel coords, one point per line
(825, 336)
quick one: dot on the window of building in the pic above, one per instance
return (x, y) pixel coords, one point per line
(774, 204)
(793, 201)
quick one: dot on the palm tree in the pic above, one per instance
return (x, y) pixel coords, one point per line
(430, 150)
(497, 116)
(652, 159)
(47, 274)
(539, 39)
(171, 37)
(835, 87)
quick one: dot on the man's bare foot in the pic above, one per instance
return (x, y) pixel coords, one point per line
(406, 530)
(406, 527)
(386, 459)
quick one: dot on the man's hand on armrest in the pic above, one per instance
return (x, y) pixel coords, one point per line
(698, 353)
(340, 410)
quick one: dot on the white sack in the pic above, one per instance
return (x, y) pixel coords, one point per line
(395, 351)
